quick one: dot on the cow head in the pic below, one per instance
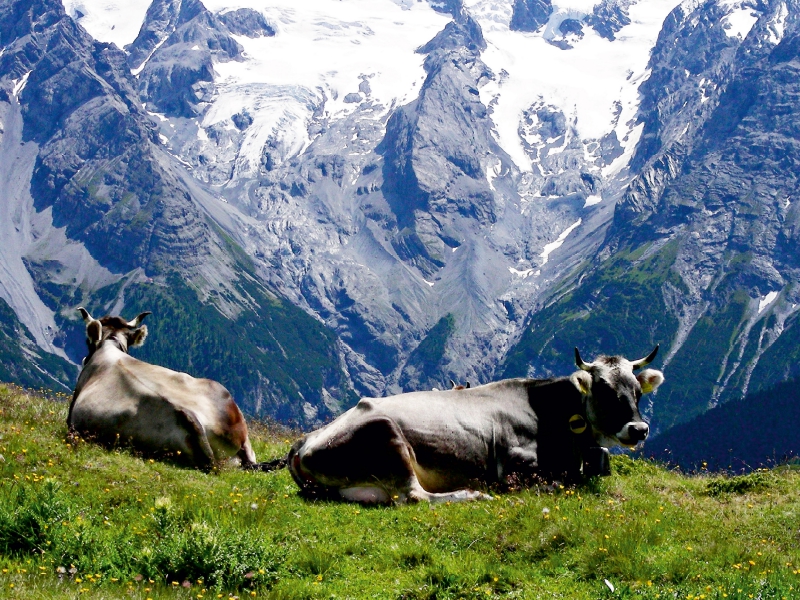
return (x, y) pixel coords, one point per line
(124, 334)
(612, 392)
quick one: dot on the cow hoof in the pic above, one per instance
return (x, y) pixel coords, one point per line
(475, 495)
(457, 496)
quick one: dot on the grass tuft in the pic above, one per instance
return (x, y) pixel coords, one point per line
(741, 484)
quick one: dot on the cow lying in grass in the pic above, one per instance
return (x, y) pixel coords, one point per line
(435, 446)
(119, 399)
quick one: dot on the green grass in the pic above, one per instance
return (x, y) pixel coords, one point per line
(431, 350)
(427, 357)
(78, 521)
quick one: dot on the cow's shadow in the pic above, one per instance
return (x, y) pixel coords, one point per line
(127, 447)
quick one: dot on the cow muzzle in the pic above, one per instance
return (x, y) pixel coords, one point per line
(633, 433)
(296, 467)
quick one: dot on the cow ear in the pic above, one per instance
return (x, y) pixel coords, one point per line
(582, 382)
(94, 331)
(138, 337)
(650, 379)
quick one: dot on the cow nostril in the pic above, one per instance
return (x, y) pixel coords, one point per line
(639, 431)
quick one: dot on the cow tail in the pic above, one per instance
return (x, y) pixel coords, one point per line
(270, 465)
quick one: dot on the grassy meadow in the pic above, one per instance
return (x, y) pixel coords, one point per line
(79, 521)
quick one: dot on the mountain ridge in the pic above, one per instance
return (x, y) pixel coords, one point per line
(401, 174)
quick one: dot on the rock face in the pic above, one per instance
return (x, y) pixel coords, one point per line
(530, 15)
(246, 21)
(380, 225)
(23, 362)
(435, 161)
(174, 52)
(609, 17)
(701, 244)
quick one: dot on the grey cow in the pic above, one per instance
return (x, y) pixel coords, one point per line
(437, 446)
(159, 411)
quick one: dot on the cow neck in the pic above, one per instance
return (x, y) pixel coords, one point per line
(111, 341)
(557, 402)
(569, 401)
(114, 339)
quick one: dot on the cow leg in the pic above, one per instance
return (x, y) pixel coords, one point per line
(457, 496)
(522, 461)
(198, 441)
(413, 491)
(246, 455)
(596, 462)
(409, 490)
(370, 463)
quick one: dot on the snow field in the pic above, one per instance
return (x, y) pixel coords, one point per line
(778, 25)
(111, 21)
(766, 301)
(740, 19)
(280, 117)
(584, 81)
(322, 52)
(548, 248)
(324, 49)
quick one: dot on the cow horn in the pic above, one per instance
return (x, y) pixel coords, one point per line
(638, 364)
(579, 361)
(85, 314)
(138, 320)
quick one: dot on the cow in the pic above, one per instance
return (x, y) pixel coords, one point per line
(121, 400)
(437, 446)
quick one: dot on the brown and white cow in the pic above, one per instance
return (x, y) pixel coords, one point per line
(119, 399)
(436, 446)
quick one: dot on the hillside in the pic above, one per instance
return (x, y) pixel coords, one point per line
(757, 431)
(23, 362)
(79, 521)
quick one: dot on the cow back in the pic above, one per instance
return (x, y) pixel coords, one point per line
(120, 398)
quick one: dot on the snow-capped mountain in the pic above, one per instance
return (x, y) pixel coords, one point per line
(423, 178)
(337, 136)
